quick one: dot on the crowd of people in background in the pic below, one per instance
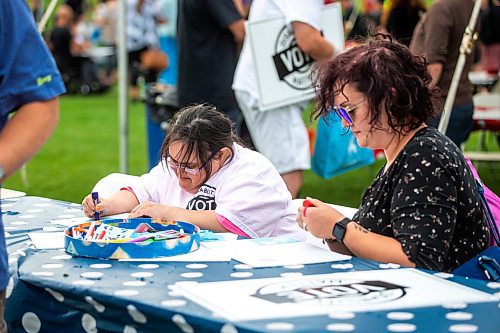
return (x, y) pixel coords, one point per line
(422, 209)
(207, 45)
(69, 46)
(94, 24)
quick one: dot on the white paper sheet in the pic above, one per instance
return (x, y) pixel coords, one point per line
(217, 236)
(203, 254)
(47, 240)
(82, 219)
(376, 290)
(276, 251)
(6, 193)
(318, 242)
(117, 216)
(70, 222)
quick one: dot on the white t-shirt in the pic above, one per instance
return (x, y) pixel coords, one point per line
(141, 26)
(248, 191)
(294, 11)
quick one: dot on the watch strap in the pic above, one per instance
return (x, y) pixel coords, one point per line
(340, 228)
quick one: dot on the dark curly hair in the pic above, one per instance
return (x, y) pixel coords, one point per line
(388, 74)
(204, 131)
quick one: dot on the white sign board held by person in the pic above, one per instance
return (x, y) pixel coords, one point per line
(283, 70)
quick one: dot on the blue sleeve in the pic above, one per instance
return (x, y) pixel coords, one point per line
(28, 72)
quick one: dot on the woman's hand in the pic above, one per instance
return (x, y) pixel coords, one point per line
(319, 218)
(88, 206)
(300, 219)
(150, 209)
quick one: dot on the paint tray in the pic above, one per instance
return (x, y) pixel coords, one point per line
(185, 239)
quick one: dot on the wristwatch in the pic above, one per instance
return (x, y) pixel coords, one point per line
(340, 228)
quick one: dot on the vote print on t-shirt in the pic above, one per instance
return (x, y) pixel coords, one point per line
(203, 200)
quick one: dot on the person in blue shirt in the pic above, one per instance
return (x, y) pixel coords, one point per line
(29, 86)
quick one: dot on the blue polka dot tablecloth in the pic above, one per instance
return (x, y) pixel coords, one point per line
(50, 291)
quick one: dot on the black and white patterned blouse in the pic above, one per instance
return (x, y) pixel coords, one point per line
(428, 201)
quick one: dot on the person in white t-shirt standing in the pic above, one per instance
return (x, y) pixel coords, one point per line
(280, 134)
(207, 178)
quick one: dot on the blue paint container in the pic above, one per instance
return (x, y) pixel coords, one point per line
(188, 242)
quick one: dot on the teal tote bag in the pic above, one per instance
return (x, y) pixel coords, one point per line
(336, 150)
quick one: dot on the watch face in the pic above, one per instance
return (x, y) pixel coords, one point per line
(340, 228)
(339, 231)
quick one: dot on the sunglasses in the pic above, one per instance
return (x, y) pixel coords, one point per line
(174, 165)
(343, 111)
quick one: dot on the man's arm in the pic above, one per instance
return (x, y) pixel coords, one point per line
(240, 7)
(237, 28)
(26, 132)
(226, 14)
(435, 69)
(439, 27)
(311, 41)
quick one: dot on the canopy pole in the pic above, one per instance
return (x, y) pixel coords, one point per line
(122, 85)
(46, 16)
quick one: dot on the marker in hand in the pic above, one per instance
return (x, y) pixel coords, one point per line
(95, 199)
(306, 205)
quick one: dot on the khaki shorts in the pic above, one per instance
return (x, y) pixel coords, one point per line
(279, 134)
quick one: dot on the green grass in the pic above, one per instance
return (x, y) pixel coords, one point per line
(85, 148)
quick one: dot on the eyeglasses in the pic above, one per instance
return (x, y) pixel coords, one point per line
(192, 171)
(343, 111)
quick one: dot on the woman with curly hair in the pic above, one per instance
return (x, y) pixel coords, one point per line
(423, 209)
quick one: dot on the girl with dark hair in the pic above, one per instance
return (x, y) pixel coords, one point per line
(423, 209)
(207, 178)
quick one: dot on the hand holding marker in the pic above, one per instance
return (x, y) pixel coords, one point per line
(95, 199)
(306, 205)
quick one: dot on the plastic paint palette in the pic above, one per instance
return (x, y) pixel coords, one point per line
(175, 238)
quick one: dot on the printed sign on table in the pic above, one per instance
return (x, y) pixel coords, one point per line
(283, 70)
(311, 295)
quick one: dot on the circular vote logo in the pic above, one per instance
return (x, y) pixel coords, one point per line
(293, 65)
(331, 291)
